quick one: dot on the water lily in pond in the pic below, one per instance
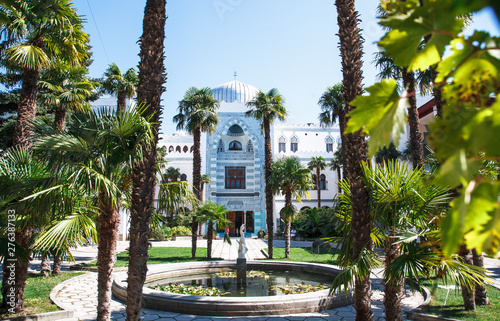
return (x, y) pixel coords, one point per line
(189, 289)
(250, 274)
(298, 288)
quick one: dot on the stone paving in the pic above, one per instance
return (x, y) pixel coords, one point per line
(80, 293)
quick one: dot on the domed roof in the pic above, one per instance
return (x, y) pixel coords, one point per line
(235, 91)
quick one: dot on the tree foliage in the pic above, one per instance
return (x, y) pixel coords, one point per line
(468, 131)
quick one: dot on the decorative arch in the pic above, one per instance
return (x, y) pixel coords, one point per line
(178, 149)
(171, 149)
(184, 177)
(185, 149)
(235, 145)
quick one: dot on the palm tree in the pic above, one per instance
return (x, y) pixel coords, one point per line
(36, 33)
(212, 214)
(336, 164)
(19, 169)
(332, 107)
(267, 108)
(387, 154)
(388, 69)
(65, 89)
(317, 164)
(123, 86)
(172, 174)
(149, 90)
(291, 179)
(354, 147)
(197, 113)
(100, 150)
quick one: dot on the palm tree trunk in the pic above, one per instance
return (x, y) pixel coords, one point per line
(56, 268)
(268, 163)
(15, 275)
(480, 294)
(210, 234)
(339, 178)
(107, 229)
(393, 292)
(121, 103)
(194, 238)
(318, 189)
(354, 149)
(60, 117)
(26, 110)
(437, 93)
(149, 90)
(288, 203)
(45, 265)
(197, 162)
(467, 293)
(416, 139)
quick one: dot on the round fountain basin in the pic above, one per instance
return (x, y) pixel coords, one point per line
(234, 305)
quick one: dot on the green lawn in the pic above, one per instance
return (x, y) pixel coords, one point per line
(36, 294)
(159, 255)
(326, 255)
(454, 304)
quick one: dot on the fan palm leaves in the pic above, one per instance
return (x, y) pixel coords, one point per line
(317, 164)
(121, 85)
(212, 214)
(332, 104)
(268, 108)
(65, 89)
(101, 148)
(291, 179)
(36, 34)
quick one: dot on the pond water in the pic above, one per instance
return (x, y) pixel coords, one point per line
(259, 283)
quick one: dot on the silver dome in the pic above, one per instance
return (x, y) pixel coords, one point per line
(235, 91)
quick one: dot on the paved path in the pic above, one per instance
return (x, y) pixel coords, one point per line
(80, 293)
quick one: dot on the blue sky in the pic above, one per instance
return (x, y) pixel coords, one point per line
(287, 44)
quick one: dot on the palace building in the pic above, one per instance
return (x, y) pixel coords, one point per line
(233, 157)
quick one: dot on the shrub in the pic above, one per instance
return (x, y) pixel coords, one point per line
(317, 223)
(181, 230)
(162, 233)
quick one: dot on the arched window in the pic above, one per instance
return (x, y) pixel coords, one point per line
(329, 144)
(184, 177)
(191, 149)
(235, 145)
(282, 145)
(322, 182)
(171, 149)
(185, 149)
(294, 144)
(220, 147)
(178, 149)
(339, 140)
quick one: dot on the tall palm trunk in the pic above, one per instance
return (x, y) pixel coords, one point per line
(15, 275)
(56, 267)
(107, 228)
(467, 292)
(121, 101)
(45, 265)
(354, 149)
(60, 117)
(210, 235)
(268, 163)
(393, 292)
(196, 183)
(194, 237)
(437, 93)
(480, 294)
(26, 110)
(318, 188)
(339, 179)
(416, 139)
(288, 203)
(151, 80)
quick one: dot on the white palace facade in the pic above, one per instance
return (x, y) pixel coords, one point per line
(233, 157)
